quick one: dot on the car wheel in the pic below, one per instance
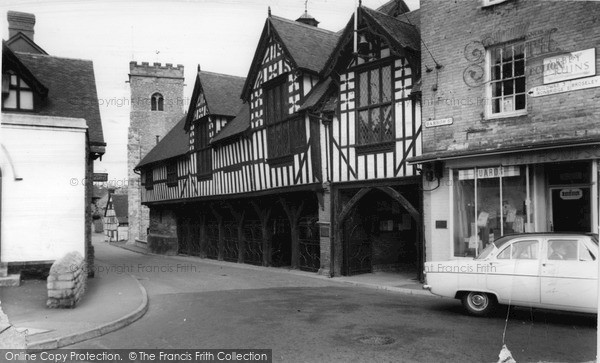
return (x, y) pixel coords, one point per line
(478, 303)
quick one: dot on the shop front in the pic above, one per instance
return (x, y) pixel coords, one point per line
(493, 196)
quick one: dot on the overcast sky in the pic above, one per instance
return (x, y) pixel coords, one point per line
(220, 35)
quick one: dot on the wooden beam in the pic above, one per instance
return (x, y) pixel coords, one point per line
(293, 216)
(221, 243)
(414, 213)
(264, 214)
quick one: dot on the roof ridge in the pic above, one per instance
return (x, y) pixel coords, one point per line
(54, 56)
(323, 30)
(221, 74)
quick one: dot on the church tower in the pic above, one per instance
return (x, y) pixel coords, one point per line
(156, 105)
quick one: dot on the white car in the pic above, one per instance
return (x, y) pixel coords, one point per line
(544, 270)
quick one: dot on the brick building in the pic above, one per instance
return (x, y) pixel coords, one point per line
(510, 105)
(156, 106)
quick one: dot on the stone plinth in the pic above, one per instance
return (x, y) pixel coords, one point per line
(67, 281)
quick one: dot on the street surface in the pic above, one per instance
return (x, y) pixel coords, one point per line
(203, 305)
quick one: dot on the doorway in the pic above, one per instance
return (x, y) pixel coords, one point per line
(571, 209)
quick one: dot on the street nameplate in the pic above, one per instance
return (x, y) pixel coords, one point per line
(440, 122)
(567, 86)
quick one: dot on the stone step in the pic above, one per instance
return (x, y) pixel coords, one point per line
(10, 280)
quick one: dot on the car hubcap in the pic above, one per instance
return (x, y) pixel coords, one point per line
(479, 301)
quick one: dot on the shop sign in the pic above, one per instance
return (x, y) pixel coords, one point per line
(567, 86)
(571, 194)
(100, 177)
(570, 66)
(439, 122)
(487, 173)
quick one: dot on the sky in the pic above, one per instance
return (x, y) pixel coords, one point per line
(219, 35)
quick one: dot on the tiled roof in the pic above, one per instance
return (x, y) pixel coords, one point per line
(71, 90)
(120, 205)
(239, 124)
(403, 33)
(393, 8)
(222, 92)
(316, 94)
(175, 143)
(309, 46)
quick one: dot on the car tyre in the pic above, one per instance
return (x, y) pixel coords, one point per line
(478, 303)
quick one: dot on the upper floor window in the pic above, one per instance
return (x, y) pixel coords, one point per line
(16, 94)
(172, 174)
(507, 80)
(157, 102)
(286, 135)
(203, 149)
(375, 121)
(149, 179)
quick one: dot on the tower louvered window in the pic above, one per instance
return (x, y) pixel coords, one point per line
(375, 113)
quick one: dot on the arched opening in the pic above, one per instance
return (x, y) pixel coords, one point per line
(379, 230)
(157, 102)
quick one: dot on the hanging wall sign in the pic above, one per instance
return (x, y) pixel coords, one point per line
(571, 194)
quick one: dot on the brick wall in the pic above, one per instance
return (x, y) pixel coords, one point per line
(451, 31)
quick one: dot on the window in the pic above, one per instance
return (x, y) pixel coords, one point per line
(16, 93)
(375, 122)
(286, 134)
(149, 179)
(562, 249)
(507, 80)
(172, 174)
(157, 102)
(521, 250)
(203, 149)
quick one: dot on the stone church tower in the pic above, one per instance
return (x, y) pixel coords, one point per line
(156, 106)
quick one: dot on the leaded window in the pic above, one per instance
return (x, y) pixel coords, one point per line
(203, 149)
(375, 115)
(172, 174)
(507, 79)
(149, 179)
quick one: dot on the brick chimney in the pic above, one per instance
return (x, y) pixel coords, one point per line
(20, 22)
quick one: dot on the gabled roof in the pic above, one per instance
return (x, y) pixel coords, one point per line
(238, 125)
(307, 47)
(394, 8)
(11, 61)
(71, 91)
(316, 94)
(221, 92)
(21, 43)
(120, 204)
(175, 143)
(402, 34)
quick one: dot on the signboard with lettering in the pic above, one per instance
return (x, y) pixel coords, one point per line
(567, 86)
(570, 66)
(491, 172)
(440, 122)
(571, 194)
(100, 177)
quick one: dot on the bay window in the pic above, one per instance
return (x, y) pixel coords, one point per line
(375, 113)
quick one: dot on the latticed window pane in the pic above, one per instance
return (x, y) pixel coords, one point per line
(363, 87)
(363, 127)
(172, 173)
(386, 84)
(297, 134)
(374, 88)
(375, 114)
(388, 124)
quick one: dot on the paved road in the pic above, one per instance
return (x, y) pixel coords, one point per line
(198, 305)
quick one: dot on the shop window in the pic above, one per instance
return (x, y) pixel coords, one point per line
(375, 114)
(157, 102)
(507, 80)
(489, 203)
(172, 174)
(286, 135)
(16, 94)
(203, 150)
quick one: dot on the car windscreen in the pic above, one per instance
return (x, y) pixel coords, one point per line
(491, 247)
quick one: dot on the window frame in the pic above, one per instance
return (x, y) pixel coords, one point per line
(203, 149)
(19, 89)
(490, 83)
(380, 144)
(172, 173)
(157, 102)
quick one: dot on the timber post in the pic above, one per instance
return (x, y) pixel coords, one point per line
(239, 219)
(293, 216)
(263, 216)
(221, 243)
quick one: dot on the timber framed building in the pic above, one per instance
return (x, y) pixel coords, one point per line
(308, 169)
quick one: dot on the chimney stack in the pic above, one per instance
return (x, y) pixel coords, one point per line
(20, 22)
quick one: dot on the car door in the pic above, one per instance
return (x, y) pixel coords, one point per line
(570, 282)
(514, 273)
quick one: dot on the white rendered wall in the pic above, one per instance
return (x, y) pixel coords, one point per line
(43, 215)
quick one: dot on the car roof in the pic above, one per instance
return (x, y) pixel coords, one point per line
(501, 240)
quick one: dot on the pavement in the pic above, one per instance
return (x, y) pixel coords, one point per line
(115, 300)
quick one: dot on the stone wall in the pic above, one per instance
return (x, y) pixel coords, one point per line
(67, 281)
(162, 237)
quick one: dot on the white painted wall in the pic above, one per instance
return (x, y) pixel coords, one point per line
(43, 215)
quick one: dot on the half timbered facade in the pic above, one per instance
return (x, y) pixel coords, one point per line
(317, 128)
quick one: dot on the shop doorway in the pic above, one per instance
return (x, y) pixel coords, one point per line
(571, 209)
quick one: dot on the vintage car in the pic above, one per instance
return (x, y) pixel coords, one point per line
(544, 270)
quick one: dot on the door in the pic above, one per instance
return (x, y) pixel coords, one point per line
(515, 273)
(569, 274)
(571, 209)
